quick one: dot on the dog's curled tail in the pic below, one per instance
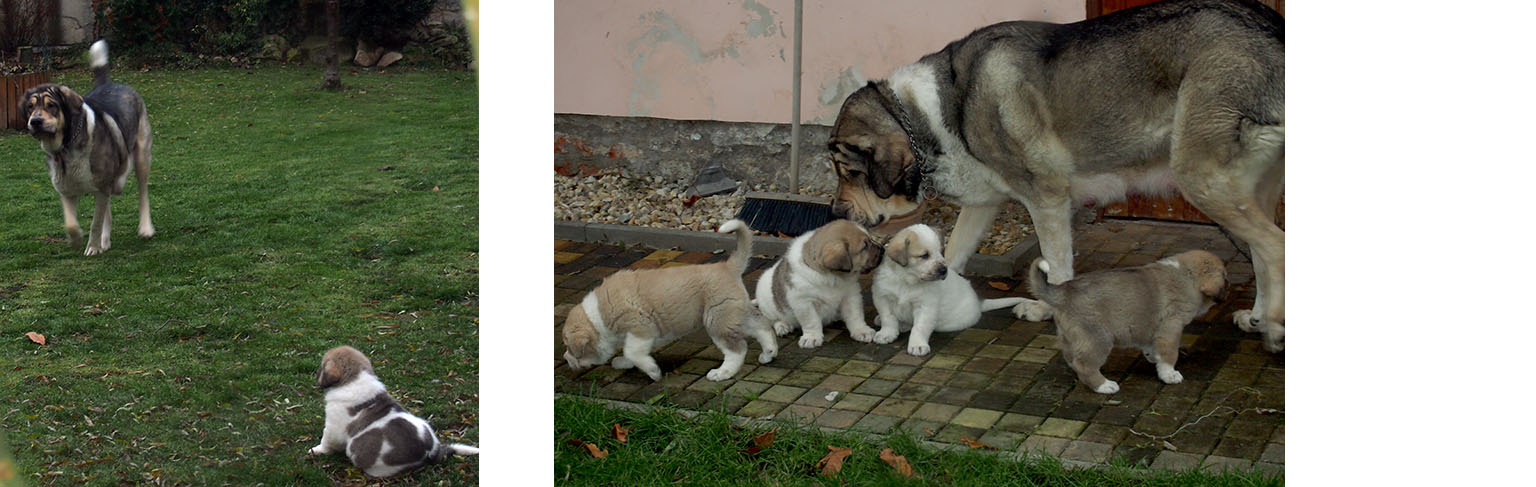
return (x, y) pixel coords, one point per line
(1040, 286)
(743, 251)
(99, 62)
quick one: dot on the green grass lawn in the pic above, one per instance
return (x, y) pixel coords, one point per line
(289, 221)
(664, 447)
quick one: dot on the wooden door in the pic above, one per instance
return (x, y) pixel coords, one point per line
(1172, 208)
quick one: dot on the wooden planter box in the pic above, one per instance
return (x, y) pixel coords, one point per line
(11, 89)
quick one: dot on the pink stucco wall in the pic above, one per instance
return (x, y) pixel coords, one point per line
(731, 60)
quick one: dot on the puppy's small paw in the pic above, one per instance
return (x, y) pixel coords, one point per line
(767, 356)
(1032, 310)
(918, 349)
(1169, 376)
(1246, 320)
(654, 372)
(720, 374)
(810, 341)
(781, 328)
(1108, 387)
(886, 335)
(319, 450)
(864, 335)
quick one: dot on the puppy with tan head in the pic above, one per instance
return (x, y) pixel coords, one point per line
(642, 310)
(362, 420)
(915, 289)
(817, 282)
(1143, 307)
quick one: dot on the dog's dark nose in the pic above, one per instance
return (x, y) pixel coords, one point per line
(35, 123)
(943, 272)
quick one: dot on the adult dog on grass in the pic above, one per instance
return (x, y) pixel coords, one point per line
(1182, 95)
(91, 142)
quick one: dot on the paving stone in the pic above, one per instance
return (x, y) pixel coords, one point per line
(876, 423)
(904, 358)
(1087, 451)
(1061, 428)
(1034, 405)
(877, 387)
(817, 398)
(726, 404)
(782, 393)
(945, 361)
(922, 429)
(1021, 423)
(954, 433)
(895, 372)
(1076, 410)
(1217, 463)
(760, 408)
(984, 365)
(977, 418)
(1037, 444)
(1273, 453)
(1156, 424)
(900, 408)
(838, 418)
(822, 364)
(698, 366)
(799, 413)
(970, 380)
(803, 378)
(975, 335)
(954, 395)
(1239, 448)
(1047, 342)
(1136, 454)
(617, 390)
(993, 399)
(766, 374)
(1103, 433)
(932, 411)
(914, 391)
(1036, 355)
(1172, 460)
(1268, 468)
(691, 399)
(858, 368)
(840, 383)
(1279, 435)
(929, 375)
(749, 390)
(1003, 352)
(857, 402)
(1003, 440)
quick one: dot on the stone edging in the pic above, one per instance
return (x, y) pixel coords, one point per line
(981, 265)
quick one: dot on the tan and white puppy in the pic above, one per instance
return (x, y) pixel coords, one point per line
(913, 288)
(644, 309)
(817, 281)
(379, 436)
(1143, 307)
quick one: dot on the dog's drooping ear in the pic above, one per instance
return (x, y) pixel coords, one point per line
(868, 142)
(897, 249)
(73, 108)
(834, 256)
(340, 365)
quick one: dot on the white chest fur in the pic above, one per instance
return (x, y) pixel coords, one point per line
(71, 174)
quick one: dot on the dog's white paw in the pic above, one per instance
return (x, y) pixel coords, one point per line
(622, 363)
(146, 231)
(1246, 320)
(1108, 387)
(810, 341)
(864, 335)
(1168, 374)
(1032, 310)
(719, 374)
(767, 355)
(94, 249)
(886, 335)
(653, 371)
(781, 328)
(918, 349)
(319, 450)
(1274, 338)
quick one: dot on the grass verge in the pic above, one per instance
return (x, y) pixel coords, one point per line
(289, 221)
(665, 447)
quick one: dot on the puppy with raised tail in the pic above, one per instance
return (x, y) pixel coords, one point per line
(913, 288)
(817, 282)
(644, 309)
(379, 436)
(1143, 307)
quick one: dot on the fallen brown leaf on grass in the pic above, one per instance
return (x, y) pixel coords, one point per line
(591, 448)
(976, 444)
(760, 442)
(833, 462)
(897, 462)
(620, 433)
(37, 338)
(1000, 286)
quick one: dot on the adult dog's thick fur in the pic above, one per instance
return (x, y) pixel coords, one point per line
(1143, 307)
(379, 436)
(644, 309)
(1183, 95)
(91, 142)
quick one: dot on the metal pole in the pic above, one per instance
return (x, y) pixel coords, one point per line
(794, 125)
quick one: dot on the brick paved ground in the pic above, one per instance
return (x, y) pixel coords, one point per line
(1002, 382)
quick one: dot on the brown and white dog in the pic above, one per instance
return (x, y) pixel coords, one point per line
(1143, 307)
(91, 142)
(644, 309)
(378, 436)
(817, 281)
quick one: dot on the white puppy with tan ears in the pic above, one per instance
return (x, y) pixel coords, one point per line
(817, 281)
(913, 288)
(645, 309)
(378, 436)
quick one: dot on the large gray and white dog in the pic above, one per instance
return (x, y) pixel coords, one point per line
(91, 142)
(1183, 95)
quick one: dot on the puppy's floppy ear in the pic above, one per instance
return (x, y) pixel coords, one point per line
(834, 256)
(1211, 281)
(897, 249)
(330, 373)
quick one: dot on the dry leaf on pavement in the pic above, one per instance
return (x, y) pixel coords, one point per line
(976, 444)
(1000, 286)
(37, 338)
(897, 462)
(833, 462)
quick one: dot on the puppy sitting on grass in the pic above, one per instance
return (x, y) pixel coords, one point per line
(1144, 307)
(379, 437)
(913, 288)
(645, 309)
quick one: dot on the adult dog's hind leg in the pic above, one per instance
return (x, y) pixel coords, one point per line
(101, 226)
(1053, 225)
(71, 219)
(141, 172)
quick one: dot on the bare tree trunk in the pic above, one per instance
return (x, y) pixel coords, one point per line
(332, 80)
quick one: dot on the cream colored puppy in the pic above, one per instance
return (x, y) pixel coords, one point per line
(817, 281)
(1143, 307)
(378, 436)
(644, 309)
(914, 289)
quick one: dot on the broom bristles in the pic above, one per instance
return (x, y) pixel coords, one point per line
(791, 218)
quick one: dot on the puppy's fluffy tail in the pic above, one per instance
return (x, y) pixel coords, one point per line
(743, 251)
(99, 62)
(1042, 287)
(1000, 303)
(445, 449)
